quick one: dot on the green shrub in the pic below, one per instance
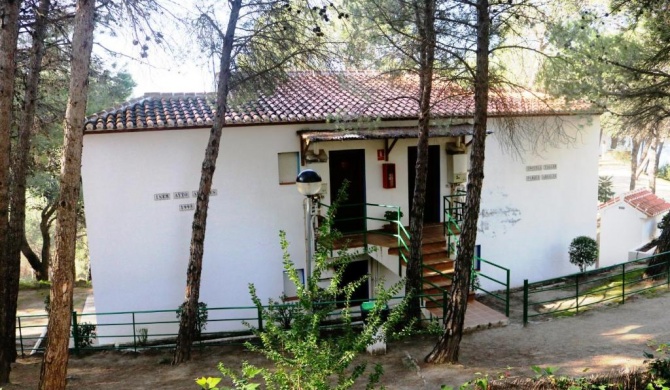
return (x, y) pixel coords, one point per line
(664, 172)
(306, 355)
(583, 252)
(605, 191)
(84, 334)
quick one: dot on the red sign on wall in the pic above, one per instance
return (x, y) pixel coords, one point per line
(380, 154)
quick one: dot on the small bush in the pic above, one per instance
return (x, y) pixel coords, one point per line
(663, 172)
(84, 334)
(142, 336)
(605, 191)
(583, 252)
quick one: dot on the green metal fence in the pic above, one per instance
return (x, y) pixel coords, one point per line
(499, 277)
(572, 293)
(121, 330)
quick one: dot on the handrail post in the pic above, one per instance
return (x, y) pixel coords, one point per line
(134, 334)
(445, 297)
(577, 292)
(507, 296)
(623, 283)
(525, 302)
(75, 332)
(260, 318)
(21, 337)
(365, 227)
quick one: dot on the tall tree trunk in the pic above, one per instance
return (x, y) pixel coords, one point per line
(17, 220)
(425, 19)
(54, 363)
(635, 150)
(187, 322)
(9, 30)
(447, 348)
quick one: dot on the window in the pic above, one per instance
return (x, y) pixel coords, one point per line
(289, 166)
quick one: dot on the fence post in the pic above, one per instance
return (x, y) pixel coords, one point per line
(260, 318)
(134, 334)
(623, 283)
(577, 292)
(445, 298)
(21, 337)
(507, 296)
(75, 332)
(525, 302)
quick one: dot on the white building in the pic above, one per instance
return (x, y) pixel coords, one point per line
(142, 163)
(627, 222)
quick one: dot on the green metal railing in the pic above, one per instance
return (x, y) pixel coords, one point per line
(399, 232)
(594, 287)
(163, 326)
(454, 213)
(502, 293)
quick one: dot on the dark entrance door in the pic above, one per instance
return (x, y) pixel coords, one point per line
(353, 272)
(348, 165)
(431, 213)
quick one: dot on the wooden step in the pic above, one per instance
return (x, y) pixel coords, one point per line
(437, 267)
(433, 245)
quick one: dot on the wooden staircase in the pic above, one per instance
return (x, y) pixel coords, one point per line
(437, 266)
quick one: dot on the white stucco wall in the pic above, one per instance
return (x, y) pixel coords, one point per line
(622, 230)
(139, 246)
(527, 226)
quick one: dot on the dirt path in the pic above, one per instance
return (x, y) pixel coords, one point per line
(600, 340)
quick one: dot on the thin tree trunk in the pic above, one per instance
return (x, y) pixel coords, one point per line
(425, 17)
(447, 348)
(9, 30)
(17, 220)
(644, 162)
(54, 363)
(653, 162)
(41, 265)
(635, 150)
(187, 322)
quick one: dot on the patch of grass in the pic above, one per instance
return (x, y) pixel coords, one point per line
(621, 155)
(34, 285)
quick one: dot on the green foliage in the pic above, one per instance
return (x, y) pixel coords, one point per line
(34, 284)
(84, 334)
(658, 367)
(200, 319)
(306, 355)
(583, 252)
(664, 172)
(142, 336)
(393, 215)
(605, 191)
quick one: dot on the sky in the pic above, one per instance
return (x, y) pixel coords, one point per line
(174, 66)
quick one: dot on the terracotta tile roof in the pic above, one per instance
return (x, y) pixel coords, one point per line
(646, 202)
(643, 200)
(321, 96)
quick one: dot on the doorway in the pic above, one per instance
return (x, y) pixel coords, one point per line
(353, 272)
(348, 165)
(431, 212)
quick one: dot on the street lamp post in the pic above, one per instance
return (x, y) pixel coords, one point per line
(308, 183)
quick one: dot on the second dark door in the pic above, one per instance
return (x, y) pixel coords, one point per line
(431, 213)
